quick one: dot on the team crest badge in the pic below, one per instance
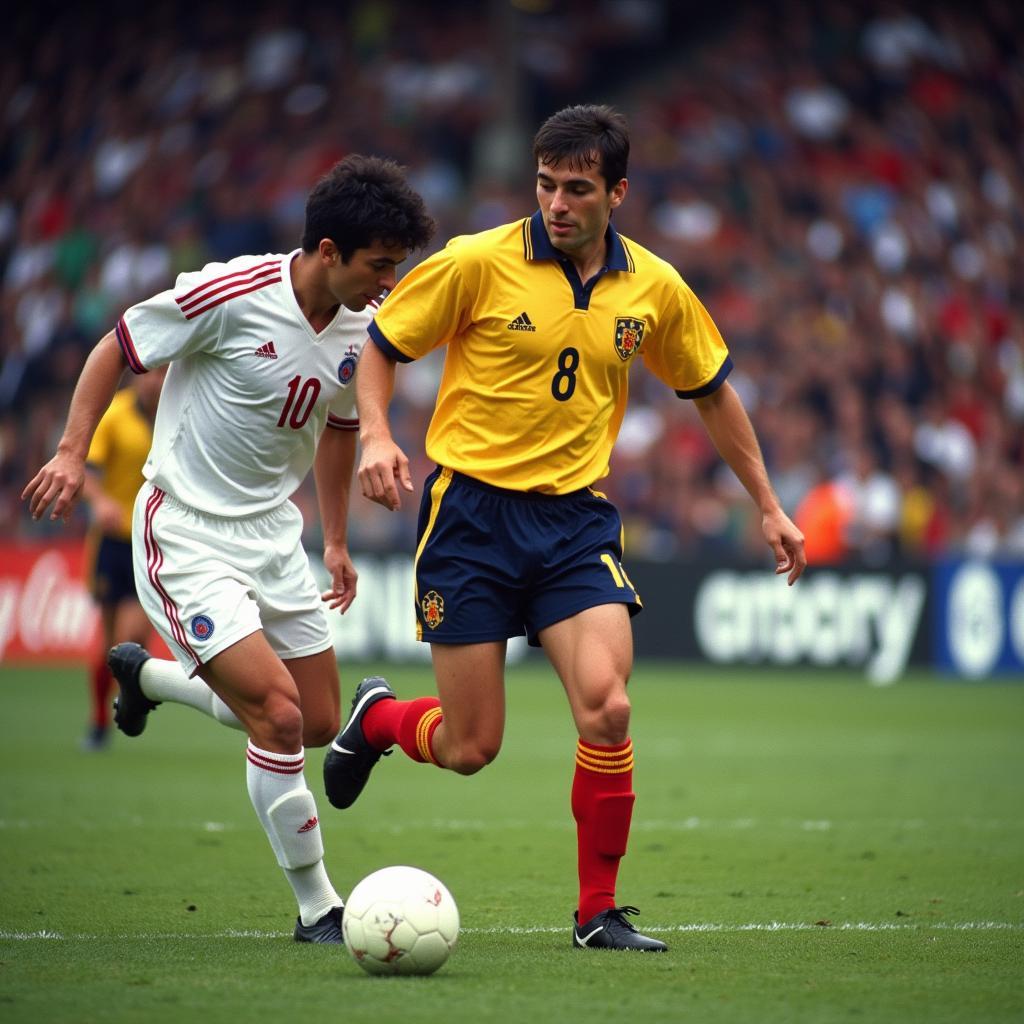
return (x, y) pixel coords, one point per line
(433, 609)
(347, 367)
(629, 336)
(201, 626)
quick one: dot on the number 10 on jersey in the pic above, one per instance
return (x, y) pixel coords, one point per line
(302, 396)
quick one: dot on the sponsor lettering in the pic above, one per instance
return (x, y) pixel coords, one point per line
(45, 610)
(827, 619)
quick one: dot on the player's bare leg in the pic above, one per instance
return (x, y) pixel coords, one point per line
(261, 691)
(592, 652)
(315, 676)
(146, 682)
(471, 687)
(316, 679)
(461, 729)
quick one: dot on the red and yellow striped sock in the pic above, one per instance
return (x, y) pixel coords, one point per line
(409, 723)
(602, 804)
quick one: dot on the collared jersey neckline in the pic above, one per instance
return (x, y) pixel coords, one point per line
(538, 246)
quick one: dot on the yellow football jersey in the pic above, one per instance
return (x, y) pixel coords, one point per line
(118, 451)
(536, 375)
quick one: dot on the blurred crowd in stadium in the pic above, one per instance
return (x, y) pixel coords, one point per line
(840, 183)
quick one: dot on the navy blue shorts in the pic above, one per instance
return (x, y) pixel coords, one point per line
(113, 579)
(493, 564)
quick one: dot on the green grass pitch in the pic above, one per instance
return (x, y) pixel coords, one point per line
(812, 849)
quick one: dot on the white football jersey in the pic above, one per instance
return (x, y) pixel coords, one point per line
(251, 385)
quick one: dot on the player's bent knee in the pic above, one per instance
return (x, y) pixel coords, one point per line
(319, 732)
(468, 760)
(281, 723)
(615, 715)
(608, 722)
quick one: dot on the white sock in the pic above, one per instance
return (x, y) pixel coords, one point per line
(167, 680)
(269, 777)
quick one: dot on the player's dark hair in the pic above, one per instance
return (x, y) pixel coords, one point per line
(362, 200)
(585, 135)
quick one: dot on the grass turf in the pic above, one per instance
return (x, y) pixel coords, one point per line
(812, 848)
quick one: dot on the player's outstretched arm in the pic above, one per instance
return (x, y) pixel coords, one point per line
(60, 481)
(332, 470)
(383, 466)
(730, 429)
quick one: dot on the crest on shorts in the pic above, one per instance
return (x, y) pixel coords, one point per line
(629, 336)
(347, 367)
(433, 609)
(201, 626)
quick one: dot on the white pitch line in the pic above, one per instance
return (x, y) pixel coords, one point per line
(756, 926)
(780, 926)
(653, 825)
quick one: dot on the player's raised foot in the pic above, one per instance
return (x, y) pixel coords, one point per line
(131, 705)
(327, 929)
(350, 758)
(611, 930)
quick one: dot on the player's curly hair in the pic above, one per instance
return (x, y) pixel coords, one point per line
(362, 200)
(584, 135)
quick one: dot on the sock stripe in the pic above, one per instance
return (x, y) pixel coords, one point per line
(607, 761)
(618, 769)
(424, 731)
(281, 764)
(608, 753)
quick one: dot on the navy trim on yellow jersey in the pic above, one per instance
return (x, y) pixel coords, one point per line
(377, 337)
(712, 385)
(538, 246)
(542, 249)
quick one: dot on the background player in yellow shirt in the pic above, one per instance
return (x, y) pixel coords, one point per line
(113, 477)
(543, 320)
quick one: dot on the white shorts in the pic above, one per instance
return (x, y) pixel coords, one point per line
(206, 581)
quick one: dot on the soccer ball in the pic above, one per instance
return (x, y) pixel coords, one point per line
(400, 920)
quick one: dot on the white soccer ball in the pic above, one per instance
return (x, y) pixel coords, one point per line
(400, 920)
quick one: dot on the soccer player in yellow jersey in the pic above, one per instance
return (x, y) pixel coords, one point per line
(113, 477)
(543, 320)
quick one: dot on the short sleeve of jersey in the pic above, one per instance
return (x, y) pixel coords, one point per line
(341, 413)
(164, 328)
(434, 307)
(687, 351)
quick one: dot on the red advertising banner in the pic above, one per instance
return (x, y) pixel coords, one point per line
(46, 612)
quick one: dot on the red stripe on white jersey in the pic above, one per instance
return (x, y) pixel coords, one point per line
(339, 424)
(211, 302)
(127, 343)
(214, 288)
(226, 277)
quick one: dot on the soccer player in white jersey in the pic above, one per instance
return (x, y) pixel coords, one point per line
(262, 353)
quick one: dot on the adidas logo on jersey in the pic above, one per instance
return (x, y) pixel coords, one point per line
(267, 351)
(522, 323)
